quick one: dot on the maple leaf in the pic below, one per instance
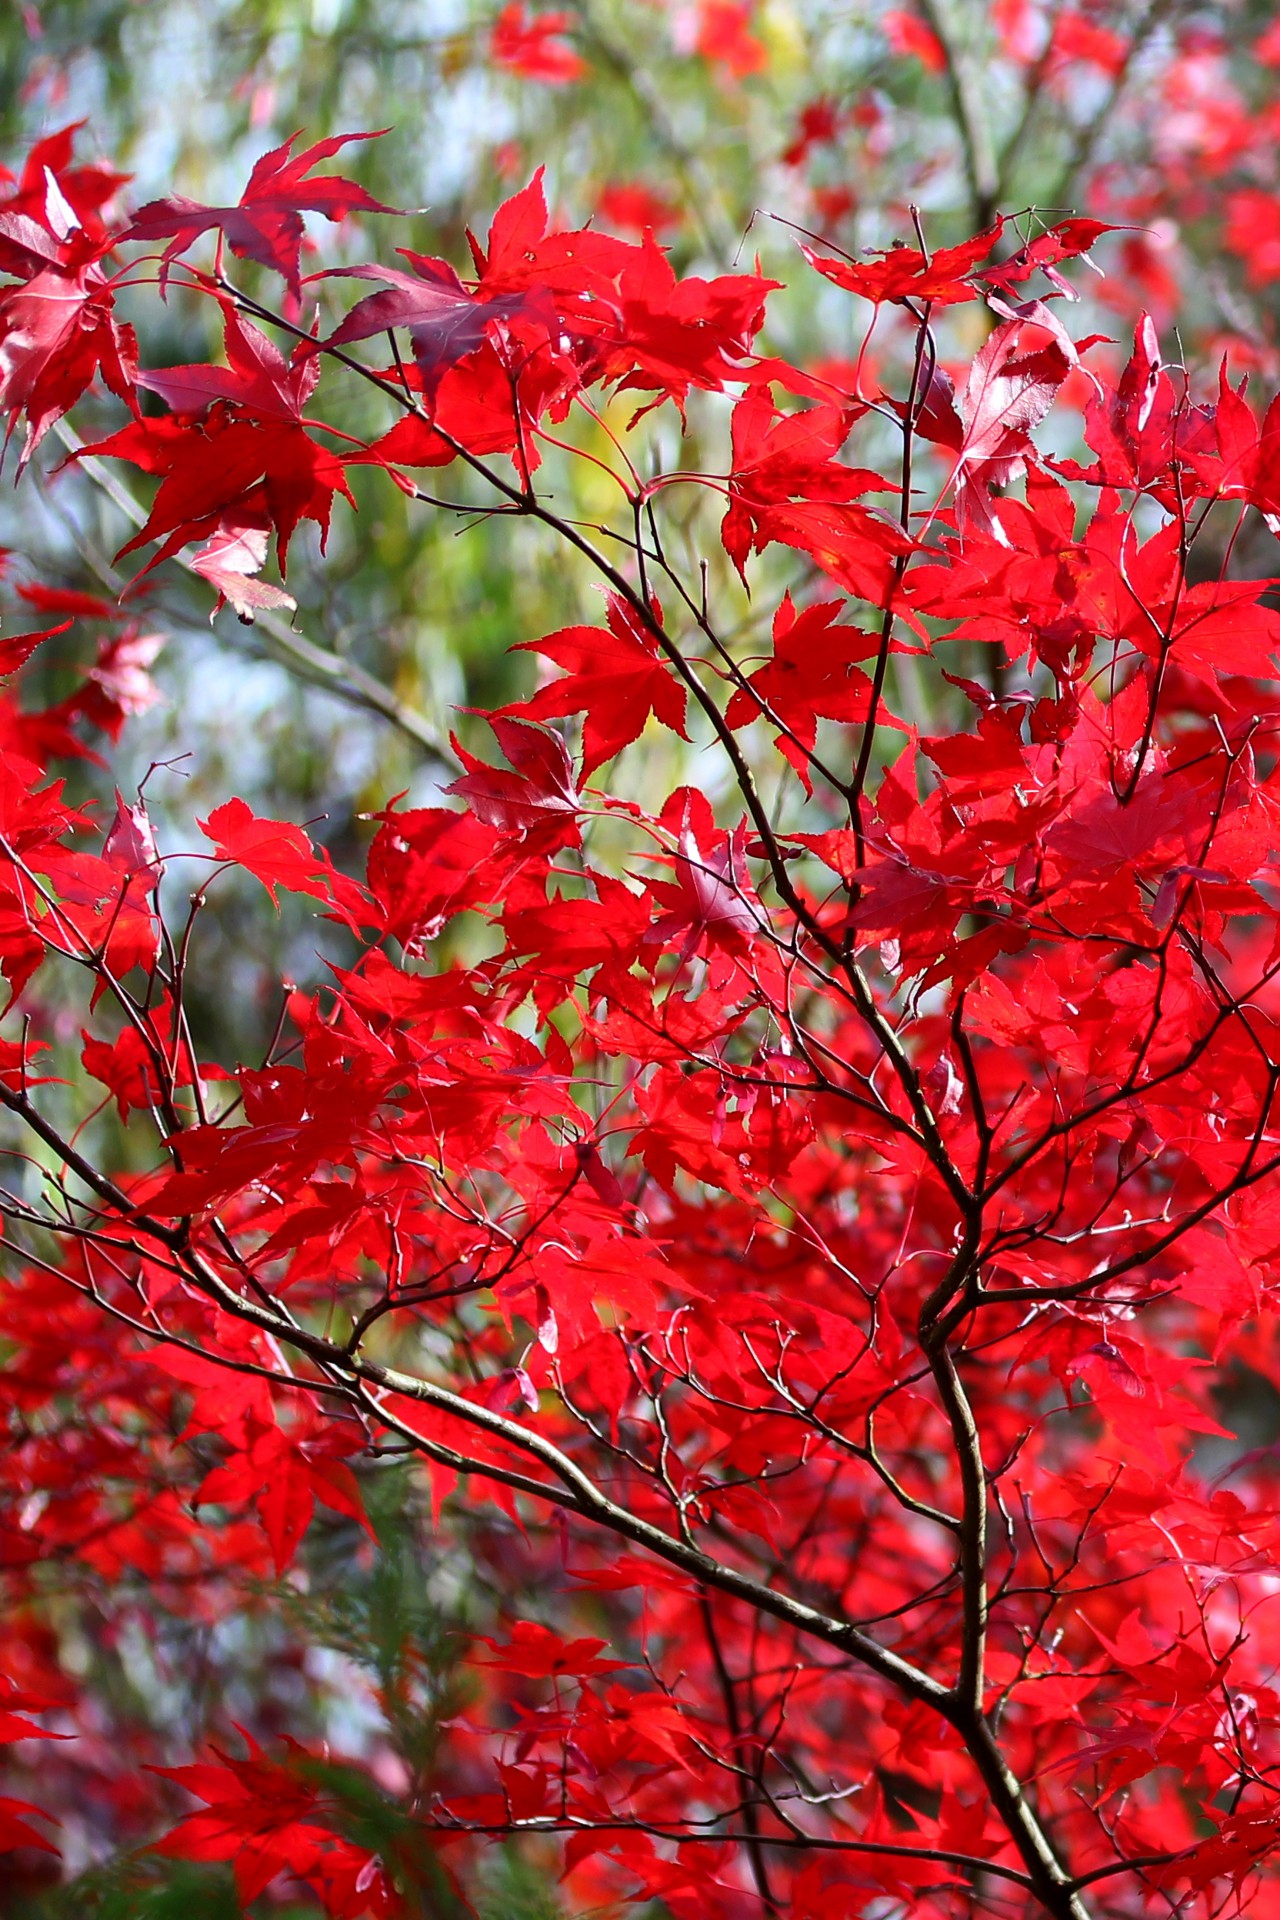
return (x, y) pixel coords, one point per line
(711, 898)
(230, 467)
(1011, 386)
(15, 1703)
(266, 224)
(274, 851)
(235, 452)
(816, 124)
(57, 331)
(538, 802)
(444, 321)
(18, 648)
(16, 1829)
(482, 404)
(130, 841)
(812, 675)
(1141, 425)
(129, 1066)
(580, 268)
(1220, 627)
(1068, 240)
(429, 863)
(533, 45)
(945, 277)
(284, 1479)
(781, 458)
(538, 1653)
(616, 675)
(54, 199)
(560, 939)
(229, 559)
(57, 328)
(257, 377)
(677, 334)
(263, 1816)
(93, 606)
(119, 684)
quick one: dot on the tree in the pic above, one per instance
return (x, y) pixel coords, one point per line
(819, 1208)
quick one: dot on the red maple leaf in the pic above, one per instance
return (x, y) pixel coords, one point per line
(18, 648)
(274, 851)
(534, 45)
(811, 676)
(57, 330)
(781, 458)
(616, 675)
(266, 224)
(265, 1816)
(16, 1829)
(905, 273)
(444, 321)
(710, 899)
(1068, 240)
(53, 198)
(284, 1478)
(676, 334)
(237, 453)
(538, 1653)
(537, 802)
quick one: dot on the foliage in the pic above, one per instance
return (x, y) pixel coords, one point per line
(688, 1361)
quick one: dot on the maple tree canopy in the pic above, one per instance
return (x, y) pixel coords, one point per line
(823, 1202)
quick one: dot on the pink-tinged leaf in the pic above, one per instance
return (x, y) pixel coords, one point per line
(119, 683)
(1009, 391)
(228, 561)
(130, 844)
(443, 320)
(56, 333)
(539, 801)
(1010, 388)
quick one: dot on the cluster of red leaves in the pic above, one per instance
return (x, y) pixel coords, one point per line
(57, 325)
(833, 1216)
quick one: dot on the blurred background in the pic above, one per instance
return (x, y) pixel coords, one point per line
(729, 130)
